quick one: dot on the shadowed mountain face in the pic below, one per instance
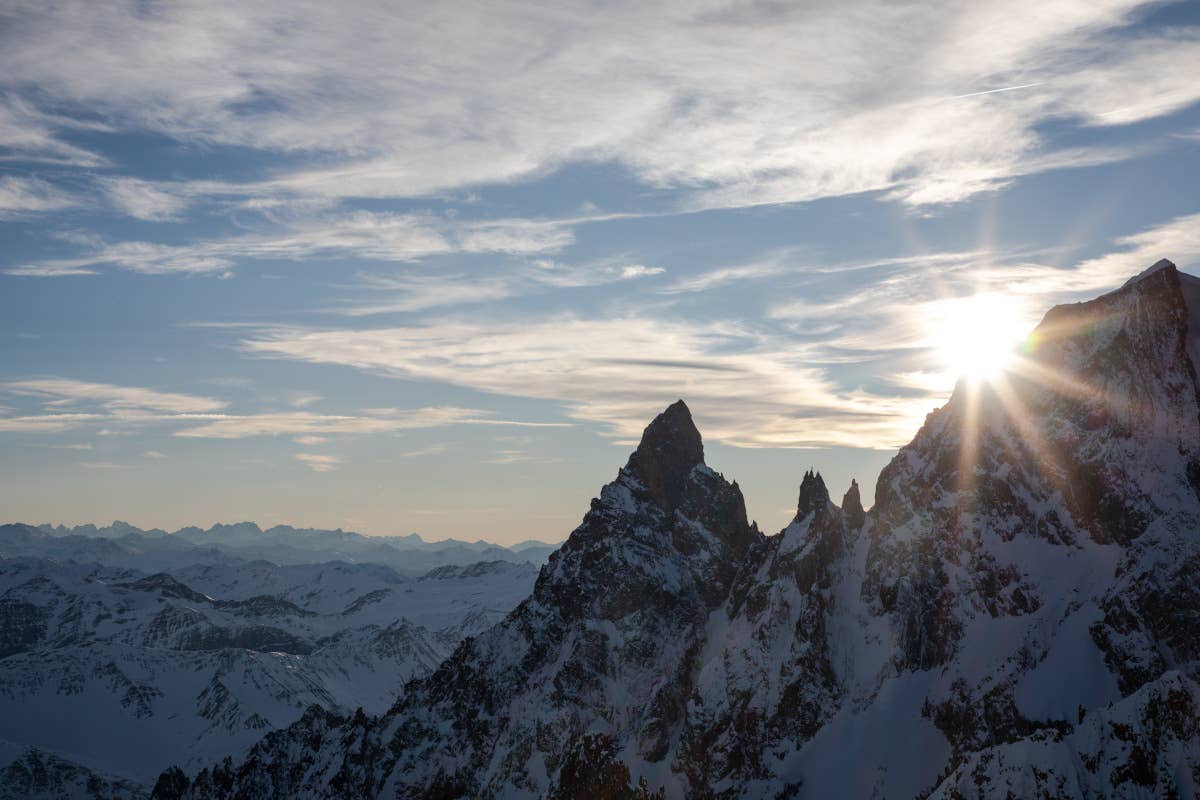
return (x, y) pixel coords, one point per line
(1015, 616)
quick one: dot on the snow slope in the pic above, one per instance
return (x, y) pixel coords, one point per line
(122, 672)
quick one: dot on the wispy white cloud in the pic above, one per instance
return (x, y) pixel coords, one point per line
(420, 292)
(773, 264)
(305, 423)
(142, 199)
(748, 388)
(127, 410)
(46, 423)
(1177, 239)
(309, 440)
(154, 454)
(1146, 78)
(751, 385)
(20, 196)
(594, 273)
(303, 399)
(48, 270)
(801, 262)
(421, 452)
(319, 463)
(739, 105)
(362, 234)
(27, 134)
(519, 457)
(407, 293)
(62, 392)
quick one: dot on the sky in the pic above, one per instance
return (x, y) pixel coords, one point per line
(432, 269)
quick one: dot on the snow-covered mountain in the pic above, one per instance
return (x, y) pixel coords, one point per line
(1017, 616)
(123, 545)
(30, 774)
(110, 671)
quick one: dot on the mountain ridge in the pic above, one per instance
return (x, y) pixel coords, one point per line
(158, 550)
(1014, 615)
(142, 667)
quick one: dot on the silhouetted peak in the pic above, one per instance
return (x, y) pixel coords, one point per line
(670, 448)
(813, 495)
(852, 506)
(1156, 267)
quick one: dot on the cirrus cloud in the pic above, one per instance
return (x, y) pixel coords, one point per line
(60, 392)
(735, 104)
(749, 388)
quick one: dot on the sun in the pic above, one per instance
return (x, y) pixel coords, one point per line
(977, 337)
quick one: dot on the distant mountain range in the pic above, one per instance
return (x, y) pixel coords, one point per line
(122, 544)
(120, 671)
(1017, 616)
(123, 649)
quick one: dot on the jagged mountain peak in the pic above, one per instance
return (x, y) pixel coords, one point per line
(852, 506)
(814, 496)
(670, 448)
(666, 505)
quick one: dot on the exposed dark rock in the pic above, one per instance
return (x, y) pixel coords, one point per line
(669, 449)
(170, 785)
(167, 586)
(852, 508)
(814, 497)
(38, 774)
(22, 626)
(251, 637)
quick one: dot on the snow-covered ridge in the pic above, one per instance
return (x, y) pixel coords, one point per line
(112, 671)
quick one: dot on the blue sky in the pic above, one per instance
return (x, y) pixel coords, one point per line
(433, 271)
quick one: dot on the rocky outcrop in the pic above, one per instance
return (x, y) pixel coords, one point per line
(852, 507)
(814, 497)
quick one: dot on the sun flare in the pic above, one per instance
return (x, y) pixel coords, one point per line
(977, 337)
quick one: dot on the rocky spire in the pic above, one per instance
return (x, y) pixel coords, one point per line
(669, 449)
(852, 507)
(813, 495)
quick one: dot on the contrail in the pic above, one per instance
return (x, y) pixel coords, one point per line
(994, 91)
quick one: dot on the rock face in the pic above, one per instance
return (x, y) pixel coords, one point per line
(814, 497)
(1016, 615)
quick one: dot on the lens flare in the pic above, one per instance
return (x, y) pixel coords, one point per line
(977, 337)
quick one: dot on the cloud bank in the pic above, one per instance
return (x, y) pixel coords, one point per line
(732, 103)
